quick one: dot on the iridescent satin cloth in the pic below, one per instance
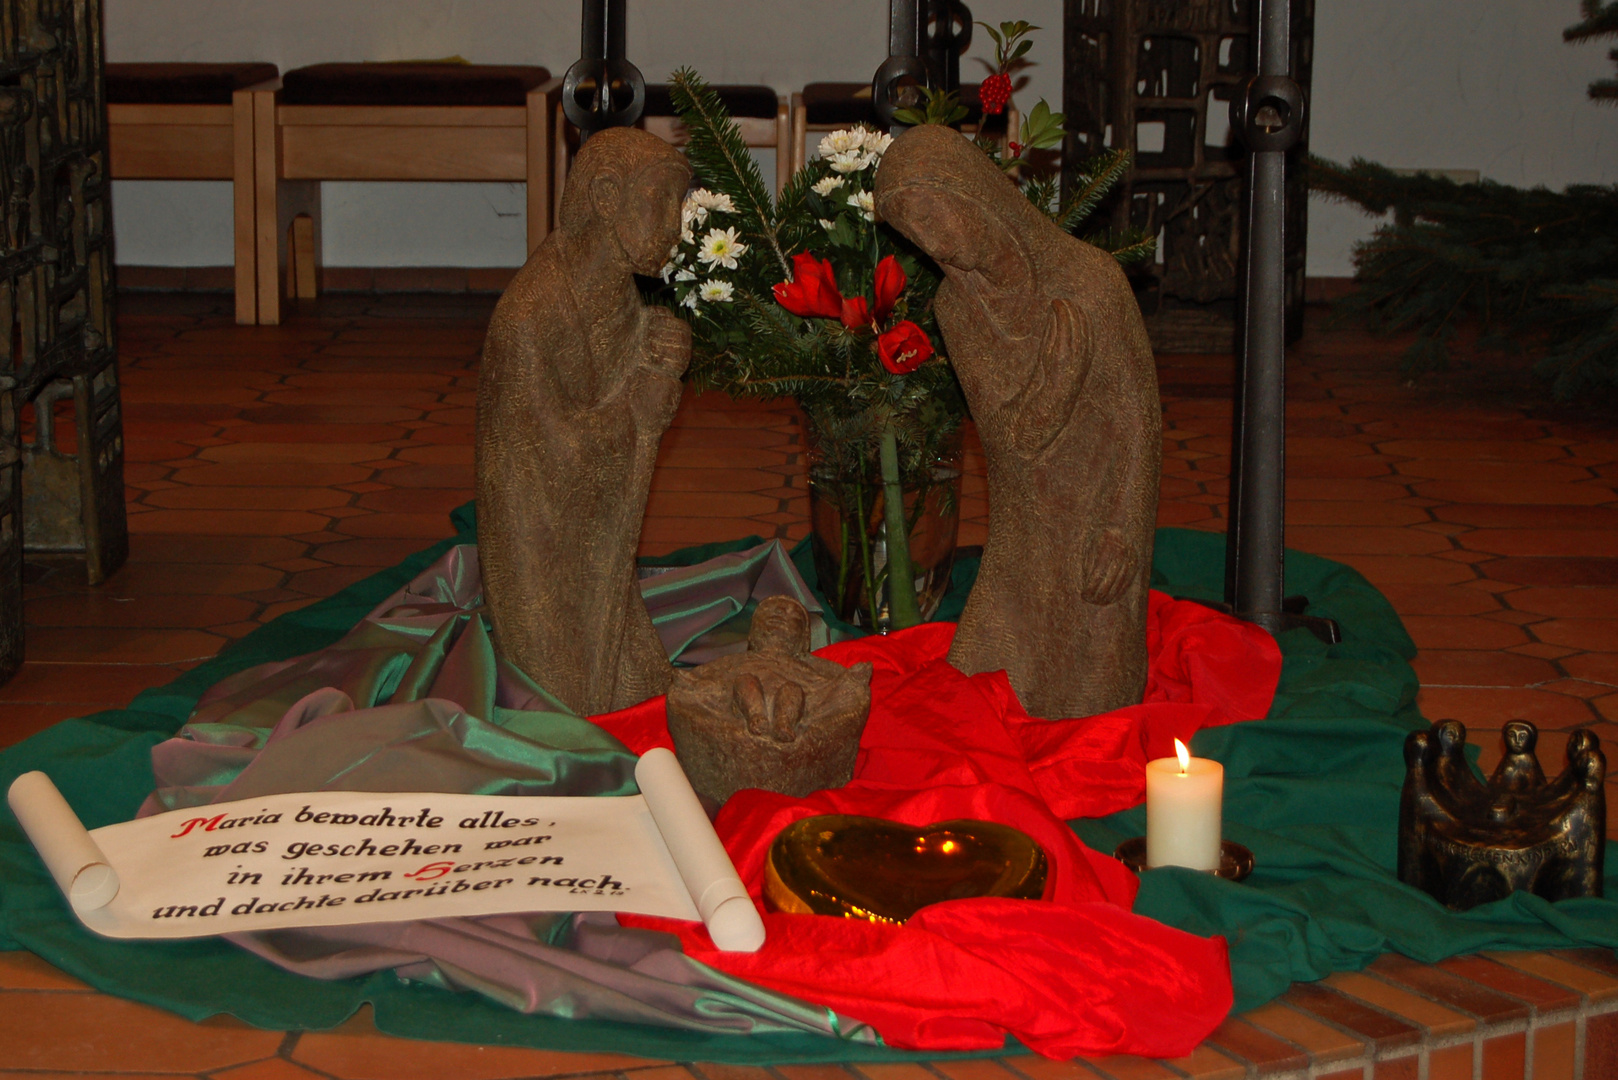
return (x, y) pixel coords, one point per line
(415, 699)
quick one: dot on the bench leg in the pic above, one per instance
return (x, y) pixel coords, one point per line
(785, 159)
(242, 178)
(544, 104)
(800, 133)
(303, 258)
(276, 203)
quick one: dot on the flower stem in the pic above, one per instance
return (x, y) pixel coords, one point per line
(842, 551)
(903, 611)
(865, 551)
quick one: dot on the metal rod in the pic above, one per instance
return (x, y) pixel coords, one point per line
(1269, 120)
(601, 65)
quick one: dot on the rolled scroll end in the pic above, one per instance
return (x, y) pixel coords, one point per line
(82, 871)
(735, 926)
(705, 867)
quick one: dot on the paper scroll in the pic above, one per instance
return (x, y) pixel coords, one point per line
(333, 858)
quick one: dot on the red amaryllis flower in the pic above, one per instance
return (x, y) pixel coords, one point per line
(812, 292)
(904, 348)
(856, 313)
(890, 283)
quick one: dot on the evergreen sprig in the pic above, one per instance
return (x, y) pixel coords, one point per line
(719, 153)
(1600, 21)
(1533, 267)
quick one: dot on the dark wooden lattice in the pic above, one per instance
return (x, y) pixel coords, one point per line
(1157, 77)
(60, 490)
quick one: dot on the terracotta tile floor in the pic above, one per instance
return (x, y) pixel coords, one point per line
(271, 466)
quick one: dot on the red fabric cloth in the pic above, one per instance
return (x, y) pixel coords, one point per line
(1072, 973)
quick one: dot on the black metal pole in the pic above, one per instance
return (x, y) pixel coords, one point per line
(1268, 117)
(601, 67)
(907, 30)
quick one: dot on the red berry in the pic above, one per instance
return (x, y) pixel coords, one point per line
(995, 93)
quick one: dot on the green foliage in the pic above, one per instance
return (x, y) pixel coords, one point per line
(1600, 21)
(1041, 128)
(1534, 267)
(1010, 42)
(938, 107)
(738, 245)
(717, 149)
(1093, 179)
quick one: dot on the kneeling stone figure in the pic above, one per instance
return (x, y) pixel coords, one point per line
(579, 382)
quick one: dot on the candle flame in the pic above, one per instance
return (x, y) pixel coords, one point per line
(1184, 755)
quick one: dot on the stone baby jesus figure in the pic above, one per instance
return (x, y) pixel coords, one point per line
(774, 717)
(579, 382)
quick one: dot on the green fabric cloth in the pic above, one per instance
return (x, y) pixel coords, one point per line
(1313, 790)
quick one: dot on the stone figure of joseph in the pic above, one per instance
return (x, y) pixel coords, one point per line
(579, 382)
(1047, 340)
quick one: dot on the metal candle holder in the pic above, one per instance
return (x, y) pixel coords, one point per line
(1467, 842)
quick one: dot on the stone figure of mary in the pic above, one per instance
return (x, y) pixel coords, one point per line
(1048, 342)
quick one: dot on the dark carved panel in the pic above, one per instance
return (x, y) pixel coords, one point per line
(1157, 76)
(59, 491)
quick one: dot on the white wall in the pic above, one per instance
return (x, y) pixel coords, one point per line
(1417, 83)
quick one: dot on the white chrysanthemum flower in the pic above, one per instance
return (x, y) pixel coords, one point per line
(667, 272)
(712, 200)
(686, 235)
(828, 185)
(827, 225)
(717, 291)
(691, 214)
(721, 247)
(850, 161)
(877, 143)
(842, 141)
(691, 300)
(684, 275)
(864, 203)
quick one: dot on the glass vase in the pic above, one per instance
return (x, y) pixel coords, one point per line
(849, 536)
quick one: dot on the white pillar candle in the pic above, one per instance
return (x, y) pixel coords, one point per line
(1184, 802)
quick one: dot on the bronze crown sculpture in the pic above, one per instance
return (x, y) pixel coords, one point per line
(1468, 842)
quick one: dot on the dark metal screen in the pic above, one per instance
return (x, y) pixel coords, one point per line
(61, 477)
(1157, 76)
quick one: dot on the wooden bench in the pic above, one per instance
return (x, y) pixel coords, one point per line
(192, 122)
(396, 121)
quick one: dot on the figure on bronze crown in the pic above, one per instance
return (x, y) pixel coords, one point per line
(1047, 340)
(580, 379)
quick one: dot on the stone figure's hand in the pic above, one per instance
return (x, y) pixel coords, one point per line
(667, 346)
(1109, 567)
(787, 713)
(747, 700)
(654, 395)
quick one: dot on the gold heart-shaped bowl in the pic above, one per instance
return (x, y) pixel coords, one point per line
(870, 868)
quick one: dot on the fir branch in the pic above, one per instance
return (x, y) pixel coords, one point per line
(720, 156)
(1129, 246)
(1600, 20)
(1530, 266)
(1097, 176)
